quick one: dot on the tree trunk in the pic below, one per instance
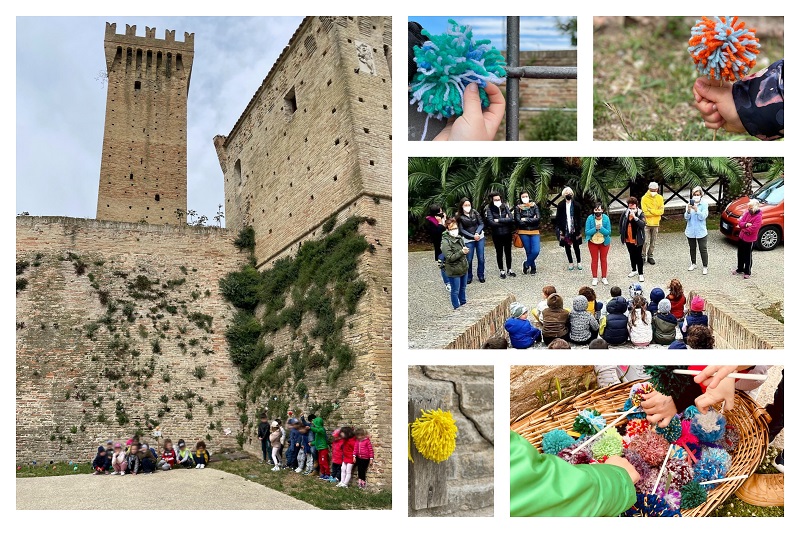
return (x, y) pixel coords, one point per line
(747, 183)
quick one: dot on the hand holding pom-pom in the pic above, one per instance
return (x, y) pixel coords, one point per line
(723, 48)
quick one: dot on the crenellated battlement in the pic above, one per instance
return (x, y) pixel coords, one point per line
(149, 39)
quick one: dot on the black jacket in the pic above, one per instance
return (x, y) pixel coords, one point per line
(102, 461)
(263, 430)
(527, 217)
(505, 219)
(616, 330)
(638, 226)
(435, 231)
(469, 225)
(561, 221)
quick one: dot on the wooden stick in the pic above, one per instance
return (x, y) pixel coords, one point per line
(714, 137)
(661, 470)
(732, 375)
(733, 478)
(608, 426)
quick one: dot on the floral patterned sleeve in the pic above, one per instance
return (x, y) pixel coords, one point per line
(759, 102)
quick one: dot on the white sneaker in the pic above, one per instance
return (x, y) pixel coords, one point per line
(633, 273)
(122, 473)
(298, 469)
(594, 282)
(276, 468)
(641, 277)
(605, 281)
(197, 466)
(705, 271)
(691, 267)
(202, 466)
(447, 288)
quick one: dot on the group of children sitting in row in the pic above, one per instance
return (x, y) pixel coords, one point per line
(662, 320)
(310, 449)
(140, 458)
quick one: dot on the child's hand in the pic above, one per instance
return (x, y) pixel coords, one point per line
(623, 463)
(476, 124)
(659, 408)
(724, 392)
(716, 105)
(713, 375)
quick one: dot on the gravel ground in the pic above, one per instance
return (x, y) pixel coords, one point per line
(432, 323)
(221, 489)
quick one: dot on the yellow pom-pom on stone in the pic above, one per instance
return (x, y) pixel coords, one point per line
(434, 434)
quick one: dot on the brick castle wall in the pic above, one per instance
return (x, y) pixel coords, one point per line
(143, 167)
(468, 391)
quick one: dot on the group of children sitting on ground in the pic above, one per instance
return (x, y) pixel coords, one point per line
(665, 319)
(310, 450)
(140, 458)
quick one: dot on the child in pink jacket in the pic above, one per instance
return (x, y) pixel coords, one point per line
(364, 455)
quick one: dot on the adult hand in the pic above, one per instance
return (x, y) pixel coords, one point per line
(715, 104)
(712, 375)
(476, 237)
(659, 408)
(476, 124)
(724, 392)
(624, 463)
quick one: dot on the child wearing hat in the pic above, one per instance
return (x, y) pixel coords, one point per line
(100, 461)
(119, 460)
(664, 324)
(275, 438)
(696, 315)
(185, 458)
(555, 320)
(520, 330)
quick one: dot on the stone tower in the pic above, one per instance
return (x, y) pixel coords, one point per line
(143, 171)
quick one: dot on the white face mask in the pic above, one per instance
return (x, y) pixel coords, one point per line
(467, 209)
(653, 193)
(525, 199)
(497, 203)
(453, 232)
(697, 197)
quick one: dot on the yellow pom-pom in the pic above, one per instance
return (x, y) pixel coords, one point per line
(434, 434)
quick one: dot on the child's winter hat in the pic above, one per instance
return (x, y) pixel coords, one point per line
(145, 447)
(109, 443)
(337, 432)
(664, 306)
(128, 442)
(554, 301)
(181, 443)
(517, 309)
(293, 421)
(698, 304)
(274, 424)
(117, 445)
(100, 449)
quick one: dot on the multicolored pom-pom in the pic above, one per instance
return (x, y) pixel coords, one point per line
(446, 64)
(638, 414)
(692, 495)
(651, 446)
(709, 427)
(589, 422)
(556, 440)
(637, 426)
(581, 457)
(680, 471)
(671, 496)
(641, 467)
(714, 464)
(730, 440)
(610, 443)
(638, 390)
(650, 505)
(723, 48)
(673, 430)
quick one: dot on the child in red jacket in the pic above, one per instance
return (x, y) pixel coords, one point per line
(337, 453)
(348, 457)
(364, 455)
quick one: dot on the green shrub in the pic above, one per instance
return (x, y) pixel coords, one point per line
(327, 227)
(199, 372)
(242, 336)
(201, 320)
(241, 288)
(553, 125)
(246, 239)
(21, 266)
(22, 283)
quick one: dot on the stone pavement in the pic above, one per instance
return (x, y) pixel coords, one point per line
(220, 490)
(432, 322)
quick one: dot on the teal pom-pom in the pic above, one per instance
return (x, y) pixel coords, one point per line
(556, 440)
(673, 430)
(636, 414)
(666, 382)
(589, 422)
(692, 495)
(446, 64)
(607, 445)
(714, 464)
(708, 427)
(690, 412)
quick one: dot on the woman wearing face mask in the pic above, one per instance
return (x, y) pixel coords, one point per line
(598, 231)
(568, 227)
(526, 215)
(749, 224)
(434, 226)
(696, 231)
(500, 218)
(631, 233)
(455, 262)
(470, 224)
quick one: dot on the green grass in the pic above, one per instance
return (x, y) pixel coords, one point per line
(310, 489)
(773, 310)
(733, 506)
(647, 73)
(55, 469)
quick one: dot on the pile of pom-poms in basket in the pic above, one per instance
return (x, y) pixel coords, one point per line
(699, 448)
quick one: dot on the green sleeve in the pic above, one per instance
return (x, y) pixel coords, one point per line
(546, 485)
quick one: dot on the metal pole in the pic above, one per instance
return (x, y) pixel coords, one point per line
(551, 73)
(512, 84)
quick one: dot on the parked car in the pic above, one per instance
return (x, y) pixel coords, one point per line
(771, 197)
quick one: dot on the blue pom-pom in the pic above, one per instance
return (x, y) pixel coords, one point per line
(636, 414)
(556, 440)
(708, 427)
(714, 464)
(690, 412)
(650, 505)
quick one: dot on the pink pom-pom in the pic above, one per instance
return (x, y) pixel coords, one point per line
(651, 446)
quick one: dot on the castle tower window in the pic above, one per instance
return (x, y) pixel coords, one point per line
(290, 102)
(158, 197)
(137, 86)
(237, 171)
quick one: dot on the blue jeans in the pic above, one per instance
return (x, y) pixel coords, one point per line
(531, 245)
(445, 279)
(480, 246)
(458, 291)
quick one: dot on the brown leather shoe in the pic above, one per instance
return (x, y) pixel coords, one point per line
(762, 490)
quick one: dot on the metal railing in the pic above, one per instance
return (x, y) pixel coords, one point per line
(514, 72)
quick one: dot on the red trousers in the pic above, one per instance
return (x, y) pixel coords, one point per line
(324, 463)
(599, 251)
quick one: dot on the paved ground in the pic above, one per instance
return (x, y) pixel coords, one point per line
(220, 490)
(432, 323)
(765, 394)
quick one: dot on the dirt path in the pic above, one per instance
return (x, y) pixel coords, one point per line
(221, 490)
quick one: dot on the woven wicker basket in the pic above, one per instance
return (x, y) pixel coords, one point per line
(749, 418)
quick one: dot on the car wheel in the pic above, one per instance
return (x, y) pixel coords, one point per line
(768, 238)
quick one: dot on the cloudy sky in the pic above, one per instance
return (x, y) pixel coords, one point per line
(536, 33)
(61, 103)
